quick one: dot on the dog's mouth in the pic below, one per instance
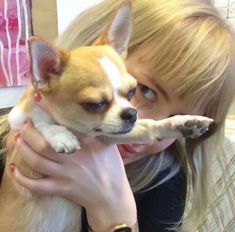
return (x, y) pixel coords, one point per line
(125, 131)
(119, 132)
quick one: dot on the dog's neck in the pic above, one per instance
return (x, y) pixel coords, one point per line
(40, 101)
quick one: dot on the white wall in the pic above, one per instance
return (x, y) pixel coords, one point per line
(227, 9)
(67, 10)
(9, 96)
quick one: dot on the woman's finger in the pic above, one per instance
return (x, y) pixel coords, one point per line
(38, 143)
(41, 186)
(37, 162)
(11, 140)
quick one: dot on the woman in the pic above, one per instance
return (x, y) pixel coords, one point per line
(183, 57)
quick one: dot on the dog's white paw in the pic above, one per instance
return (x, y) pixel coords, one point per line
(191, 126)
(67, 143)
(61, 139)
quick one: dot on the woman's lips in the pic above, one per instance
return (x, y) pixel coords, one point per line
(126, 151)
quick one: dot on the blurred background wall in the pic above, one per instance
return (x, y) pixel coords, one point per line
(45, 18)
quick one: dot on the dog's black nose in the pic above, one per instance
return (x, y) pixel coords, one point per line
(129, 115)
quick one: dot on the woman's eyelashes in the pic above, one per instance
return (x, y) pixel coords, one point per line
(147, 92)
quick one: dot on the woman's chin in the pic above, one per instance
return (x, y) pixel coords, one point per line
(127, 155)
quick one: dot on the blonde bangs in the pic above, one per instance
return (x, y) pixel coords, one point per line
(201, 40)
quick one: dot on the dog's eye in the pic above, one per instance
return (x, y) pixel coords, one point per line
(131, 94)
(95, 106)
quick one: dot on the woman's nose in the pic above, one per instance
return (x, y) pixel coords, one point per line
(133, 101)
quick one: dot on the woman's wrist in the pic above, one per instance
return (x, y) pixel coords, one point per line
(105, 219)
(116, 228)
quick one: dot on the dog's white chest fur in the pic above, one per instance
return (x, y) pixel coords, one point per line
(50, 214)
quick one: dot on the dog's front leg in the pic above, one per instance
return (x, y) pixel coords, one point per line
(59, 137)
(151, 131)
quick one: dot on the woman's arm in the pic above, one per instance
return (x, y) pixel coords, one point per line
(93, 177)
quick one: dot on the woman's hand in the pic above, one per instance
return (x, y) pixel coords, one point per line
(93, 177)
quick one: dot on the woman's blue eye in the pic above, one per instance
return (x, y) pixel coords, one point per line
(147, 92)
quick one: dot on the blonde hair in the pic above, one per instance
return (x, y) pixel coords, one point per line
(192, 47)
(4, 129)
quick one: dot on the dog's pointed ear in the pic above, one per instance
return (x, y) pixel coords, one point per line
(47, 62)
(118, 31)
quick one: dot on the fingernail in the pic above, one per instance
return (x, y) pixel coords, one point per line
(25, 122)
(12, 167)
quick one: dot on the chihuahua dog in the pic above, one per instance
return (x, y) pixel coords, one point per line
(87, 90)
